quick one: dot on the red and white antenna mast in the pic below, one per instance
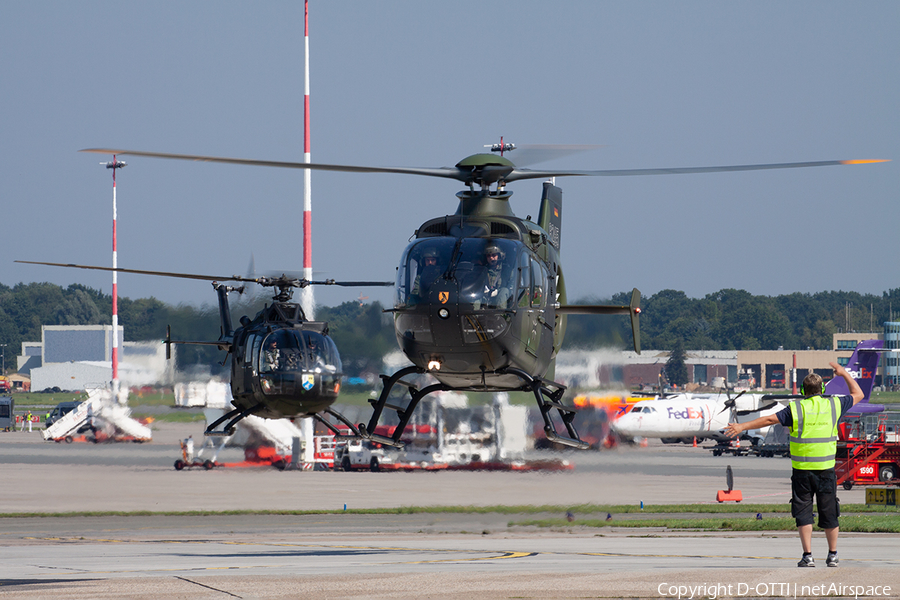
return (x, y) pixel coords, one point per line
(307, 302)
(114, 165)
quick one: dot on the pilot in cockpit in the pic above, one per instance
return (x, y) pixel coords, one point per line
(272, 354)
(315, 356)
(496, 291)
(428, 272)
(313, 345)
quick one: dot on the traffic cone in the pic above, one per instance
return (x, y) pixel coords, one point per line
(695, 441)
(730, 495)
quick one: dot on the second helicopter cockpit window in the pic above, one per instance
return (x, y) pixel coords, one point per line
(286, 351)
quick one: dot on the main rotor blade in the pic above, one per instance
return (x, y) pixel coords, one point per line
(530, 154)
(446, 172)
(519, 174)
(466, 175)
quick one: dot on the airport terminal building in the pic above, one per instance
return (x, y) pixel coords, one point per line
(890, 363)
(764, 369)
(76, 357)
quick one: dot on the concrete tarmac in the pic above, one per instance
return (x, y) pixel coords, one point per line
(434, 555)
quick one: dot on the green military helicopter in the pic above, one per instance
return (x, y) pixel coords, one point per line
(480, 297)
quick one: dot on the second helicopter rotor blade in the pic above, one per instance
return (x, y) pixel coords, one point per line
(266, 281)
(352, 283)
(141, 271)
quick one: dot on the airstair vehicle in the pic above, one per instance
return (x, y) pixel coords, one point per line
(104, 419)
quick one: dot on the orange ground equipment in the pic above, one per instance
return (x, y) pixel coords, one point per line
(868, 458)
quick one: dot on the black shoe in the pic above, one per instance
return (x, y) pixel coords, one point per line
(807, 561)
(832, 560)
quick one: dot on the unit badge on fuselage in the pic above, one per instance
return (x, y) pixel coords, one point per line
(308, 381)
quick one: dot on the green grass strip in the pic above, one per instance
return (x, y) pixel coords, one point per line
(580, 510)
(852, 523)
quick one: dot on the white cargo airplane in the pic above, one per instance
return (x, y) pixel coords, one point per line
(683, 417)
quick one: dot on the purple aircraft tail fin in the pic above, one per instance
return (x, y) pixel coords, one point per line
(862, 366)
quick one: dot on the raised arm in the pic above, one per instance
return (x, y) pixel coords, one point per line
(855, 391)
(735, 429)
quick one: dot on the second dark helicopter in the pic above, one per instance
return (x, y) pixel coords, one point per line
(282, 364)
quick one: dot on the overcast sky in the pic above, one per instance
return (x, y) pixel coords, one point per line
(411, 83)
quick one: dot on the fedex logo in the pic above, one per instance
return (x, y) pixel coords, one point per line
(685, 413)
(863, 373)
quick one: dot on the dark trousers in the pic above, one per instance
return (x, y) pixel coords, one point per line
(822, 485)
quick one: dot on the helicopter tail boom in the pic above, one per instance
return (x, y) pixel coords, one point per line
(633, 310)
(224, 345)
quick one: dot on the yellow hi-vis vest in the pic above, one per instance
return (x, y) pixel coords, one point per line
(814, 432)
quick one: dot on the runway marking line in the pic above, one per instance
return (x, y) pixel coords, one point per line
(185, 579)
(504, 554)
(446, 560)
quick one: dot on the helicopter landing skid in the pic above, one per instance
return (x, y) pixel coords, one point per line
(235, 415)
(339, 436)
(548, 400)
(405, 413)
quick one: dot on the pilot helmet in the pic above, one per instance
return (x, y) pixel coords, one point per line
(430, 253)
(494, 249)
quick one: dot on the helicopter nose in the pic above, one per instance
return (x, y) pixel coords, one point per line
(444, 294)
(443, 306)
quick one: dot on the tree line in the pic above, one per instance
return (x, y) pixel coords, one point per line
(737, 320)
(725, 320)
(363, 333)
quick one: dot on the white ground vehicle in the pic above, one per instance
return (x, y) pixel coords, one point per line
(359, 454)
(447, 434)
